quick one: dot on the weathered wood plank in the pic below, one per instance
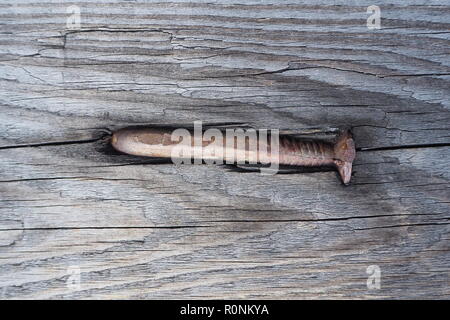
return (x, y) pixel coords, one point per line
(138, 229)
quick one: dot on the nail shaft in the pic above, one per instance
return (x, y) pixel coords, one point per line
(158, 142)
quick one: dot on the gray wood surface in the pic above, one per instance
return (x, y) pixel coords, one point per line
(137, 229)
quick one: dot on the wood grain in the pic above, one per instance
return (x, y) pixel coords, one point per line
(138, 228)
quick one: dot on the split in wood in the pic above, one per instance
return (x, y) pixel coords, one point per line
(254, 148)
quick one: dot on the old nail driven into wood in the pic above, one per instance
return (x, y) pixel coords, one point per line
(158, 142)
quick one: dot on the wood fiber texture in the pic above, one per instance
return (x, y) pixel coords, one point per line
(137, 228)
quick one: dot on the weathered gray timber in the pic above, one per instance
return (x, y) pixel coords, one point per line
(136, 228)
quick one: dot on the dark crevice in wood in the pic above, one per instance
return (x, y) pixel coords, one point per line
(406, 146)
(404, 225)
(56, 143)
(227, 221)
(107, 132)
(71, 178)
(103, 228)
(319, 220)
